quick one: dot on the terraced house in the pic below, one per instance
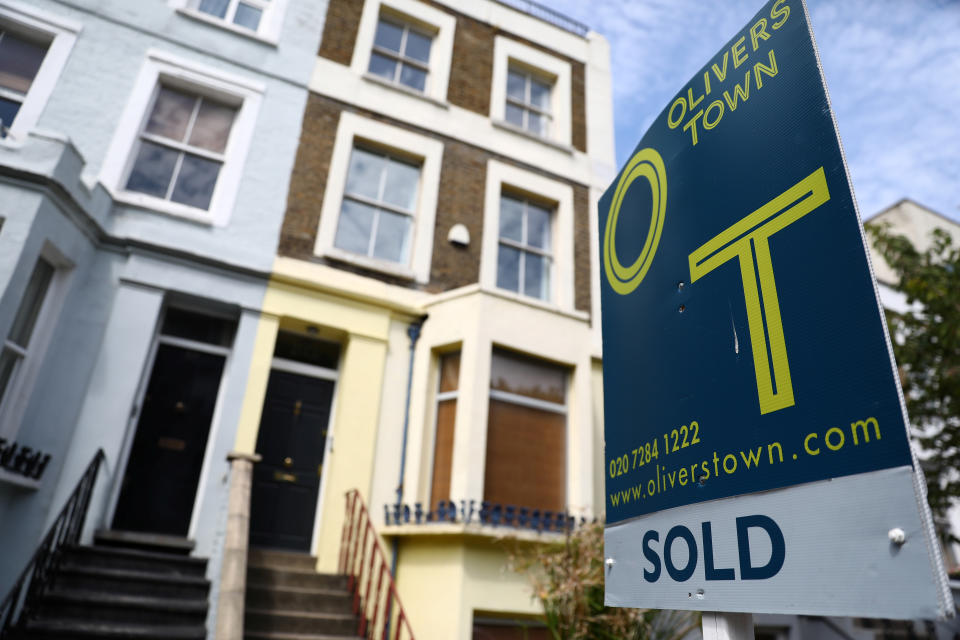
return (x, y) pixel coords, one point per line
(274, 252)
(145, 154)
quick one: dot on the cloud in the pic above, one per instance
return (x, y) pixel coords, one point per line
(892, 69)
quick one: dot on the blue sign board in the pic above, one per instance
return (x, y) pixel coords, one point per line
(744, 346)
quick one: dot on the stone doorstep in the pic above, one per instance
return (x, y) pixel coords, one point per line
(173, 544)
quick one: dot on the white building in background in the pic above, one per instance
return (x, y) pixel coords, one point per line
(916, 223)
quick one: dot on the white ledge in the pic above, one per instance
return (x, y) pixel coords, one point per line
(199, 16)
(18, 480)
(369, 77)
(512, 128)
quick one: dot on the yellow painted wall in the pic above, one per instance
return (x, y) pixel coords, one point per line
(364, 331)
(443, 580)
(430, 574)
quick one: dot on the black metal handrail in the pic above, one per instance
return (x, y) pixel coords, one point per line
(39, 572)
(548, 15)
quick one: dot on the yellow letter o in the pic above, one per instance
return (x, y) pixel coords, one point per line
(645, 163)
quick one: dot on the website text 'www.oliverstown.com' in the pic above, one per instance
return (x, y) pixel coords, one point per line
(661, 476)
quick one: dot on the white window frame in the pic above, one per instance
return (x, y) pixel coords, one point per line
(355, 129)
(422, 18)
(502, 178)
(271, 21)
(524, 247)
(61, 35)
(509, 54)
(525, 105)
(163, 68)
(14, 403)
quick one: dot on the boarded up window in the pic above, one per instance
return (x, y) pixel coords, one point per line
(509, 630)
(446, 417)
(526, 433)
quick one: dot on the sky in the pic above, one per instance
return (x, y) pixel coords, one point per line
(892, 69)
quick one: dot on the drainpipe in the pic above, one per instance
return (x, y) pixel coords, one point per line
(413, 332)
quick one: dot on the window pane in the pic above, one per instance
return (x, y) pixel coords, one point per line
(418, 46)
(511, 219)
(383, 66)
(449, 371)
(294, 346)
(8, 361)
(413, 77)
(198, 326)
(171, 114)
(214, 7)
(400, 189)
(20, 60)
(443, 451)
(514, 115)
(508, 268)
(8, 111)
(536, 276)
(212, 127)
(195, 183)
(517, 86)
(393, 230)
(355, 227)
(363, 178)
(527, 376)
(247, 16)
(526, 457)
(152, 169)
(538, 227)
(30, 304)
(540, 95)
(388, 36)
(536, 123)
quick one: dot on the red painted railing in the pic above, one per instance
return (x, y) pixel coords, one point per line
(362, 560)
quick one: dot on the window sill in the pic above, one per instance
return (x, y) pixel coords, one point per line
(369, 77)
(156, 205)
(199, 16)
(536, 303)
(17, 480)
(389, 268)
(506, 126)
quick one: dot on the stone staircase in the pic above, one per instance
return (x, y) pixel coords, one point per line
(142, 587)
(288, 600)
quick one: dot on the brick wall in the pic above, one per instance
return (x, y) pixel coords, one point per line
(340, 30)
(471, 71)
(460, 200)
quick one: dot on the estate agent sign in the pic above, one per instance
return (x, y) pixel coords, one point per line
(757, 457)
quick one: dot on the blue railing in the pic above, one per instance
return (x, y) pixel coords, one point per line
(488, 513)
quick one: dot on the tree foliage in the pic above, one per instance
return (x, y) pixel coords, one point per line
(926, 343)
(568, 578)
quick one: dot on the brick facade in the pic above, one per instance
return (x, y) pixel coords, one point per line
(471, 70)
(340, 30)
(460, 200)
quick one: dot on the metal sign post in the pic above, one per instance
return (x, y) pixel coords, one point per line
(757, 457)
(727, 626)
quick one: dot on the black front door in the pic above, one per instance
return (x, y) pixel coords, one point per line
(160, 483)
(293, 432)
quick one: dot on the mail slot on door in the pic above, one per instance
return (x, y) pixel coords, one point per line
(280, 476)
